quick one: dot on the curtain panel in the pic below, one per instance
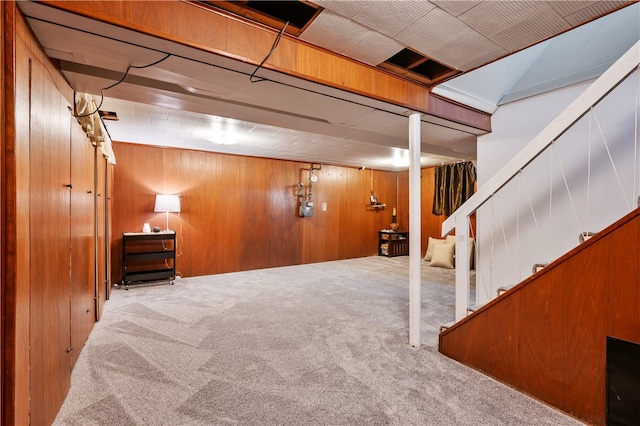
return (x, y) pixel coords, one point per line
(454, 184)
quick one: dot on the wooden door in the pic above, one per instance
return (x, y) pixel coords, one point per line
(100, 230)
(50, 203)
(83, 312)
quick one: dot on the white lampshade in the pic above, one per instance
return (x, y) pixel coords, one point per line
(167, 203)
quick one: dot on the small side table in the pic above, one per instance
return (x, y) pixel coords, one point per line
(392, 243)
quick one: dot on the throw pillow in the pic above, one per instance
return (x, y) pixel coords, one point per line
(432, 243)
(443, 255)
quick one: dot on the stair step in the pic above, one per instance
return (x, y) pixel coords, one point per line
(472, 308)
(443, 327)
(537, 267)
(502, 290)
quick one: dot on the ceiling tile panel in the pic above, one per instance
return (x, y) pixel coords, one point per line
(455, 7)
(491, 17)
(532, 30)
(373, 48)
(482, 59)
(593, 11)
(467, 47)
(333, 31)
(567, 7)
(432, 32)
(390, 18)
(346, 8)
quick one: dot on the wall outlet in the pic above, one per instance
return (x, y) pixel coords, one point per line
(324, 206)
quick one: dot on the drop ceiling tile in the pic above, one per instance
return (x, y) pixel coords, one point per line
(432, 32)
(373, 48)
(347, 8)
(593, 11)
(455, 7)
(469, 46)
(390, 18)
(531, 31)
(567, 7)
(492, 17)
(482, 59)
(333, 31)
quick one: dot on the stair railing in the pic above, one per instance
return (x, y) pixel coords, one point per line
(488, 194)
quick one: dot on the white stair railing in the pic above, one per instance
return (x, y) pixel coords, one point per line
(488, 194)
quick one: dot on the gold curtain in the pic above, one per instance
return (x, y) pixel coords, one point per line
(454, 184)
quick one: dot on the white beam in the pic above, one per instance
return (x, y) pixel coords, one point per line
(415, 251)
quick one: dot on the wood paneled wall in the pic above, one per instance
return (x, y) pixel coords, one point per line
(547, 336)
(47, 217)
(240, 213)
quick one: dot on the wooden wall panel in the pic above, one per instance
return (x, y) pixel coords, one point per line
(502, 359)
(623, 315)
(240, 213)
(547, 337)
(36, 229)
(541, 353)
(49, 166)
(16, 273)
(101, 229)
(4, 365)
(109, 228)
(585, 299)
(83, 258)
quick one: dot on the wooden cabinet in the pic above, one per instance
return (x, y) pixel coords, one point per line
(392, 243)
(148, 257)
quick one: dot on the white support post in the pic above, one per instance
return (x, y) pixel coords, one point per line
(462, 266)
(415, 258)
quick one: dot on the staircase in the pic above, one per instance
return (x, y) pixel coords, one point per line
(546, 337)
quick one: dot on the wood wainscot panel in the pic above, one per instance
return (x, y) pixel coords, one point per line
(623, 268)
(562, 317)
(584, 280)
(541, 349)
(465, 346)
(503, 341)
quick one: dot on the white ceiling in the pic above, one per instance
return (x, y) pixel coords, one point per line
(196, 100)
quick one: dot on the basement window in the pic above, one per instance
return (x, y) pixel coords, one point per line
(416, 66)
(274, 14)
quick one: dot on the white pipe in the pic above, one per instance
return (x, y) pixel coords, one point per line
(415, 251)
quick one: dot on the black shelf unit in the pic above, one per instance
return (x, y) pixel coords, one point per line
(393, 243)
(155, 256)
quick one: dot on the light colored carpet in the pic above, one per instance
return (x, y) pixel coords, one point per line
(320, 344)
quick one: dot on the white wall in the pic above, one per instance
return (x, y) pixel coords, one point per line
(509, 239)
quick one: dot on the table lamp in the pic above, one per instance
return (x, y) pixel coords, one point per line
(167, 203)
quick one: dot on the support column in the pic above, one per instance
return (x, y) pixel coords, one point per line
(415, 251)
